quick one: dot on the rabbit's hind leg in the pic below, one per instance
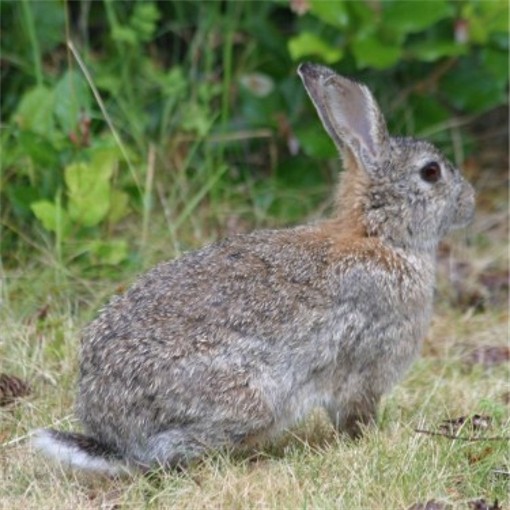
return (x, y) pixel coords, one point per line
(172, 448)
(177, 447)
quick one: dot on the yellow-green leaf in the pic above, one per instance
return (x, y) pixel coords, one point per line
(306, 44)
(52, 217)
(111, 252)
(118, 205)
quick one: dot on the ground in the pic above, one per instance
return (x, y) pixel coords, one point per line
(413, 455)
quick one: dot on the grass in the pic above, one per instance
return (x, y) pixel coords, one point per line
(393, 466)
(50, 296)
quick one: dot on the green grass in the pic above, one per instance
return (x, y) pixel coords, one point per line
(393, 466)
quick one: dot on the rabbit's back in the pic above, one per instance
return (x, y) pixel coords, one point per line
(193, 334)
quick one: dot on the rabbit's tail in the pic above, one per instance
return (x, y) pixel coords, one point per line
(78, 451)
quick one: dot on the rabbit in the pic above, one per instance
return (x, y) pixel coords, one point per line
(231, 345)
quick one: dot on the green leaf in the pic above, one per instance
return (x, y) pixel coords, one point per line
(485, 18)
(35, 111)
(53, 218)
(72, 96)
(174, 82)
(109, 81)
(38, 148)
(207, 91)
(50, 22)
(432, 50)
(88, 188)
(405, 17)
(257, 110)
(370, 51)
(125, 35)
(314, 141)
(111, 252)
(427, 112)
(144, 20)
(471, 86)
(306, 44)
(21, 199)
(332, 13)
(118, 205)
(496, 14)
(477, 27)
(363, 14)
(496, 63)
(197, 118)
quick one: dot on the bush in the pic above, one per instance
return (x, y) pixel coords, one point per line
(207, 92)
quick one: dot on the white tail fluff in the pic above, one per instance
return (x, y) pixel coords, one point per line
(70, 453)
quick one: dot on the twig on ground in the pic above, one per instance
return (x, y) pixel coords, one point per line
(461, 438)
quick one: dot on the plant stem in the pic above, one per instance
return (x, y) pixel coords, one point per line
(147, 197)
(202, 192)
(58, 234)
(227, 75)
(107, 117)
(36, 51)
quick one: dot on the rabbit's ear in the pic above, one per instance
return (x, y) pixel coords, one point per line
(349, 113)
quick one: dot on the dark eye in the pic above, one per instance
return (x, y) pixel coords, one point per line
(431, 172)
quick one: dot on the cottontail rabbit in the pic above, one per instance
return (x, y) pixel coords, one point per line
(232, 344)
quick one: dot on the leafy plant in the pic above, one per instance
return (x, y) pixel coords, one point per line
(211, 87)
(402, 40)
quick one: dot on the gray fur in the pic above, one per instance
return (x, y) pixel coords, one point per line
(233, 344)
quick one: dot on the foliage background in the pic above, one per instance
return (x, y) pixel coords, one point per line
(196, 106)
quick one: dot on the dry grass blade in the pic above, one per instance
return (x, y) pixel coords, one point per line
(474, 423)
(461, 438)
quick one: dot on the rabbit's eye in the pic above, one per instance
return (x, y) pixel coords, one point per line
(431, 172)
